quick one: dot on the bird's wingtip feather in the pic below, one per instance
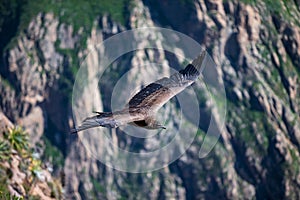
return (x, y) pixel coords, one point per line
(198, 62)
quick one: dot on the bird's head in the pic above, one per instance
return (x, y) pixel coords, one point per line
(154, 124)
(160, 126)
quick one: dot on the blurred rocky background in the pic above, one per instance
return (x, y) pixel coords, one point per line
(256, 46)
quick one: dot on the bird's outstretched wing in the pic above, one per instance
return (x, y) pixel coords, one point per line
(109, 119)
(156, 94)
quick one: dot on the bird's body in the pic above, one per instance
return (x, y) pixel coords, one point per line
(142, 107)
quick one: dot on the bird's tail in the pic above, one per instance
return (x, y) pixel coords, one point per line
(101, 119)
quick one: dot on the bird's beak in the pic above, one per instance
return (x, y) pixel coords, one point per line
(163, 127)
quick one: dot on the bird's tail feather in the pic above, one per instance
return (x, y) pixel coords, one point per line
(102, 119)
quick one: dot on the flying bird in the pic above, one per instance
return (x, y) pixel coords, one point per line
(141, 109)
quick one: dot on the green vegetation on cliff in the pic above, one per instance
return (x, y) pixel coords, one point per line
(21, 169)
(76, 12)
(16, 15)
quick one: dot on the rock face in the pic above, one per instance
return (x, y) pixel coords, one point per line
(257, 52)
(21, 172)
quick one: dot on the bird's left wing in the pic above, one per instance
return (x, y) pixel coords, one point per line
(156, 94)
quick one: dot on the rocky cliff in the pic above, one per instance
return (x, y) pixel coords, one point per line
(256, 46)
(23, 173)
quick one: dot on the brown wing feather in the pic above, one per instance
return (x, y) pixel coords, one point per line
(156, 94)
(111, 120)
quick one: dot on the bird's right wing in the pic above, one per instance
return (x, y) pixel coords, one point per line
(108, 119)
(156, 94)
